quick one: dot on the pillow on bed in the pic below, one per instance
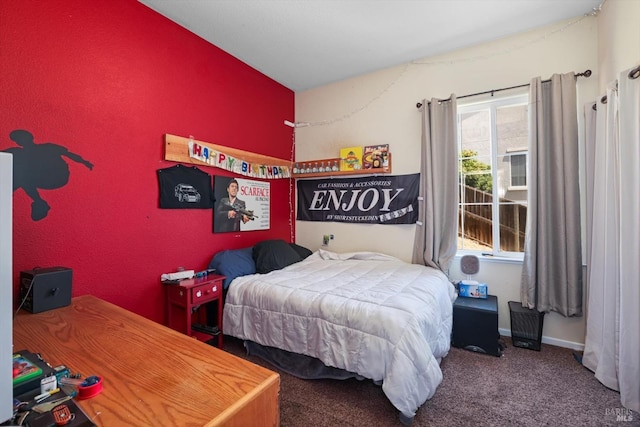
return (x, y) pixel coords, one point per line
(272, 255)
(301, 250)
(233, 263)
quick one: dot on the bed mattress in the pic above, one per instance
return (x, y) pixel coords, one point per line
(364, 312)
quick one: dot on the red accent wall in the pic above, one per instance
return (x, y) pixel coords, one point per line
(106, 80)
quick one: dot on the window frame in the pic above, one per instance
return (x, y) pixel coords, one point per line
(493, 105)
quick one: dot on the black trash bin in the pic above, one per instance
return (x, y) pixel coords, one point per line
(526, 326)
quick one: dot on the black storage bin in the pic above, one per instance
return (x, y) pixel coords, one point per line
(526, 326)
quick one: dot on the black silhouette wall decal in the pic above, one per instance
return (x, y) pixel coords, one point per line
(39, 166)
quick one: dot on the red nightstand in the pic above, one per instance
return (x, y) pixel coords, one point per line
(186, 311)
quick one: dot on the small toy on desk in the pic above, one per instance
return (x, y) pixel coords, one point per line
(24, 369)
(62, 415)
(87, 388)
(90, 387)
(55, 407)
(48, 384)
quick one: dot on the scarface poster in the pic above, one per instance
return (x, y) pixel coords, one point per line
(241, 205)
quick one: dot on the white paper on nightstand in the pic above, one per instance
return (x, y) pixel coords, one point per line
(179, 275)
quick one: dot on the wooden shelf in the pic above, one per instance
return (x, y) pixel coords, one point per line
(373, 171)
(177, 150)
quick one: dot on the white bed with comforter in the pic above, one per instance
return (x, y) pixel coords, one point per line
(363, 312)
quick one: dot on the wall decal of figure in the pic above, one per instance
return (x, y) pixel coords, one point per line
(39, 166)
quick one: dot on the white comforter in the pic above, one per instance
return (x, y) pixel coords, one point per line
(364, 312)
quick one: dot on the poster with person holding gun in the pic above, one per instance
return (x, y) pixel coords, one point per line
(231, 212)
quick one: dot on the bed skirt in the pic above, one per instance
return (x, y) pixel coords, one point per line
(298, 365)
(306, 367)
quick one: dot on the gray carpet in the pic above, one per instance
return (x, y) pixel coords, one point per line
(521, 388)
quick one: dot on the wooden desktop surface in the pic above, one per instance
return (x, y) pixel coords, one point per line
(152, 375)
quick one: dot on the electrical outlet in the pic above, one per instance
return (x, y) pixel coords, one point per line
(326, 238)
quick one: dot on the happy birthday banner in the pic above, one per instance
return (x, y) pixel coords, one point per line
(237, 161)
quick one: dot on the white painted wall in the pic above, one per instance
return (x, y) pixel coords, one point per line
(380, 108)
(618, 39)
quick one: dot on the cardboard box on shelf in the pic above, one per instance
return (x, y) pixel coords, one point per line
(375, 156)
(350, 158)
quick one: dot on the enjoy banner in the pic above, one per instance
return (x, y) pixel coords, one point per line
(368, 200)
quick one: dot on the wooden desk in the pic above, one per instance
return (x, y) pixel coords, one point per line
(153, 376)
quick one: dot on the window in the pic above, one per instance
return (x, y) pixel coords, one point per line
(518, 170)
(492, 141)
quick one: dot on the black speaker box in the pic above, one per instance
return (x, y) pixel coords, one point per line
(44, 289)
(475, 325)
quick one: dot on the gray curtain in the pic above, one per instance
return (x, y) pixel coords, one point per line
(437, 227)
(552, 267)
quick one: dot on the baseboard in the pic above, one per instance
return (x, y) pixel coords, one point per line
(551, 341)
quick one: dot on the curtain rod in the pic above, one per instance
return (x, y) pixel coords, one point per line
(587, 73)
(633, 74)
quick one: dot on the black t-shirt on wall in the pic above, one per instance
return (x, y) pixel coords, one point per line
(185, 187)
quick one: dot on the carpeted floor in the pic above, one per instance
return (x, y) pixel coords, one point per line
(521, 388)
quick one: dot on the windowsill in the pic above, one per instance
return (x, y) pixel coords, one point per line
(498, 259)
(515, 259)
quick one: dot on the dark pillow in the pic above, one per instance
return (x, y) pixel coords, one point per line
(272, 255)
(233, 263)
(301, 250)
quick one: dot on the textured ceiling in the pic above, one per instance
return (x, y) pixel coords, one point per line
(303, 44)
